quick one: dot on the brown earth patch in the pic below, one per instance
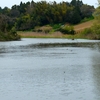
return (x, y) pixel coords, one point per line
(82, 26)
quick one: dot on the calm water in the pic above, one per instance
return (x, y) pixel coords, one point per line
(38, 69)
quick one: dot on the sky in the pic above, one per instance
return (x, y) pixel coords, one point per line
(10, 3)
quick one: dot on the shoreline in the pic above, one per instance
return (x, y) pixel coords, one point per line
(29, 34)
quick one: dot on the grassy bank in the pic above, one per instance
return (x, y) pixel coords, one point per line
(53, 35)
(82, 31)
(43, 35)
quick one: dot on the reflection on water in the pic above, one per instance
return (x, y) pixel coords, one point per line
(50, 69)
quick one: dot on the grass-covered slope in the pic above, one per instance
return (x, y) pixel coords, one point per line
(84, 25)
(54, 33)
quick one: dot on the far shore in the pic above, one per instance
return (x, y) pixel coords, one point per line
(44, 35)
(78, 28)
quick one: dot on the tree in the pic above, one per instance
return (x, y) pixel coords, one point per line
(0, 10)
(77, 6)
(30, 14)
(87, 11)
(96, 14)
(7, 29)
(3, 23)
(14, 12)
(74, 2)
(5, 11)
(6, 23)
(74, 16)
(99, 2)
(96, 27)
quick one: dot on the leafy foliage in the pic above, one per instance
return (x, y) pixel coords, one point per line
(67, 30)
(30, 14)
(96, 14)
(93, 32)
(86, 11)
(27, 16)
(7, 31)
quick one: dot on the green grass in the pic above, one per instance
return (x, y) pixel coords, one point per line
(87, 19)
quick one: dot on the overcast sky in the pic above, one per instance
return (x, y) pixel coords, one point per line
(10, 3)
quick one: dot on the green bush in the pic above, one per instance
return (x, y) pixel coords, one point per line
(13, 31)
(96, 30)
(87, 19)
(9, 36)
(66, 29)
(56, 26)
(87, 31)
(93, 32)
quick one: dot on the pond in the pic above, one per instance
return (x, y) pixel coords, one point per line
(50, 69)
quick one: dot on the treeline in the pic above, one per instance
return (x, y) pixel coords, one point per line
(30, 14)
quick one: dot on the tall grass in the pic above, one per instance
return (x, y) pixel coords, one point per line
(92, 33)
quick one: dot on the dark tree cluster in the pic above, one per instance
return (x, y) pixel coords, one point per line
(30, 14)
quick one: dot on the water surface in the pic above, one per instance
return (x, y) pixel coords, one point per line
(48, 69)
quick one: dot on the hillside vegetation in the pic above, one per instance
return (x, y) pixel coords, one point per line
(40, 31)
(46, 19)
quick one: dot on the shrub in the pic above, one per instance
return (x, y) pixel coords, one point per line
(87, 31)
(66, 29)
(96, 30)
(56, 26)
(13, 31)
(93, 32)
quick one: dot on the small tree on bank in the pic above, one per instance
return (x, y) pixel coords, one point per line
(7, 29)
